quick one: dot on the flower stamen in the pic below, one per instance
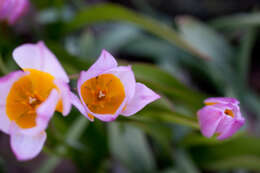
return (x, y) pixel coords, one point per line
(101, 95)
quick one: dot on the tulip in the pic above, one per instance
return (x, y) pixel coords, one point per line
(220, 116)
(29, 98)
(107, 90)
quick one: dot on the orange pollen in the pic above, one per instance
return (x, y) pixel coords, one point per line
(103, 94)
(229, 113)
(26, 94)
(210, 103)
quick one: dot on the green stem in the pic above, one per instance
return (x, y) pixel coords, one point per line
(73, 134)
(3, 69)
(180, 119)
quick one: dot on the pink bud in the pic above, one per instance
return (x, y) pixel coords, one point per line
(220, 116)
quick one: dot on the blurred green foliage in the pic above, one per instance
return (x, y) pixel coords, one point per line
(188, 56)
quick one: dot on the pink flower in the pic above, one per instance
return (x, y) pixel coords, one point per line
(29, 98)
(220, 116)
(107, 90)
(12, 10)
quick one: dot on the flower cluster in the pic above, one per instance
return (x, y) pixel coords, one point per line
(29, 97)
(12, 10)
(220, 116)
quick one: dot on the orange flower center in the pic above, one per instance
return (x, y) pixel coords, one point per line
(103, 94)
(229, 113)
(26, 95)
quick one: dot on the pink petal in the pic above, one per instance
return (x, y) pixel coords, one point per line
(44, 113)
(105, 62)
(142, 97)
(236, 125)
(77, 103)
(126, 76)
(102, 117)
(6, 84)
(228, 126)
(26, 147)
(4, 120)
(64, 91)
(20, 8)
(39, 57)
(222, 100)
(107, 117)
(209, 119)
(46, 110)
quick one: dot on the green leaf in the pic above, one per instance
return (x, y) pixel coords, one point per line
(237, 21)
(170, 170)
(118, 36)
(184, 162)
(129, 146)
(3, 68)
(205, 39)
(241, 151)
(165, 83)
(247, 162)
(106, 12)
(160, 111)
(247, 43)
(220, 53)
(73, 134)
(72, 63)
(159, 132)
(172, 117)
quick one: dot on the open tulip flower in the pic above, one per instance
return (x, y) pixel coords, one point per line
(107, 90)
(220, 116)
(12, 10)
(29, 98)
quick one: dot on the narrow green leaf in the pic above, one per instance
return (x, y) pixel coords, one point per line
(68, 60)
(184, 162)
(221, 54)
(129, 146)
(247, 43)
(3, 68)
(204, 39)
(237, 21)
(163, 82)
(74, 132)
(159, 111)
(238, 152)
(245, 162)
(173, 117)
(106, 12)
